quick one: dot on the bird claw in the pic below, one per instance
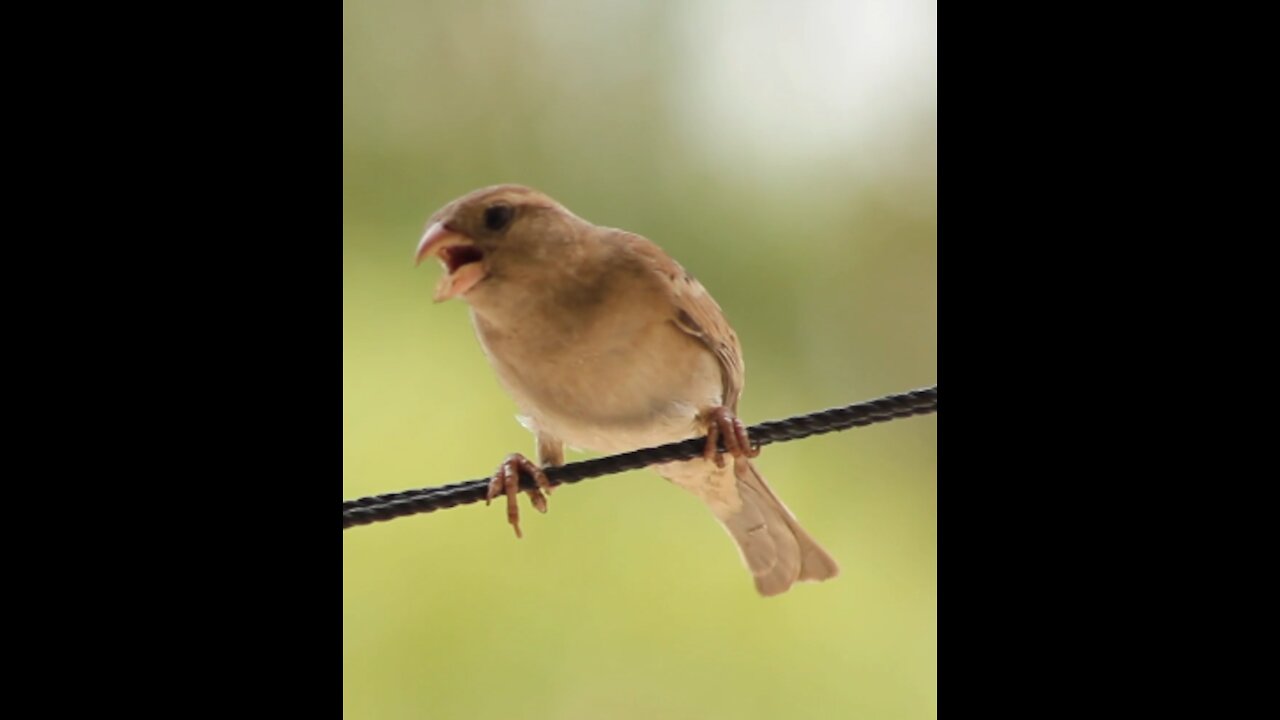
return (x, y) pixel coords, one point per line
(721, 422)
(507, 481)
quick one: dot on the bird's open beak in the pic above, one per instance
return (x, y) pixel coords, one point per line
(463, 261)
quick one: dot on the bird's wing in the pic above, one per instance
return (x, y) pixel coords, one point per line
(694, 311)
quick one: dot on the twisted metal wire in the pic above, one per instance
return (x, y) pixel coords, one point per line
(378, 508)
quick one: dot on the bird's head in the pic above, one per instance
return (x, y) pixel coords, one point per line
(493, 233)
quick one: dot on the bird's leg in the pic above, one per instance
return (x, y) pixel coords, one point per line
(721, 422)
(507, 481)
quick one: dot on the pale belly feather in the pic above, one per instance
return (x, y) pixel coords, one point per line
(612, 391)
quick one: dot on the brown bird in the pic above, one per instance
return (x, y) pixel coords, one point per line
(607, 344)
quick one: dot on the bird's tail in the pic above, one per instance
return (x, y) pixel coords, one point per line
(774, 546)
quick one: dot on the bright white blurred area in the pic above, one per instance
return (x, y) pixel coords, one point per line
(798, 83)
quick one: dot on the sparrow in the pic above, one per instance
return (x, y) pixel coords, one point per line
(607, 344)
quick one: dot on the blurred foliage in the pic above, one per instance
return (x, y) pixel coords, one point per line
(797, 179)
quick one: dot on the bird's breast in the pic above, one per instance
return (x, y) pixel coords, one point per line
(606, 385)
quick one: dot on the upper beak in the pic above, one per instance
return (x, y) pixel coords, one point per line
(464, 266)
(436, 237)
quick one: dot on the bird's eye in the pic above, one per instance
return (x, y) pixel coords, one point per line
(497, 217)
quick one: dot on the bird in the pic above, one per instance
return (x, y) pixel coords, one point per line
(607, 344)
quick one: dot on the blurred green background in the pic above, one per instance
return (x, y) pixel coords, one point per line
(786, 154)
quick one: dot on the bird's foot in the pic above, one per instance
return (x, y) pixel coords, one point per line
(722, 423)
(507, 481)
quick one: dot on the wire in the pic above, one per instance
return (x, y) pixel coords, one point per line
(377, 508)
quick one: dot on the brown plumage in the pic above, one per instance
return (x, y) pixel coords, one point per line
(606, 343)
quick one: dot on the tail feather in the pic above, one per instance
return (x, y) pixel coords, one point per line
(776, 550)
(773, 545)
